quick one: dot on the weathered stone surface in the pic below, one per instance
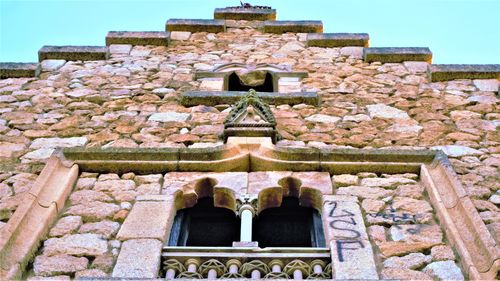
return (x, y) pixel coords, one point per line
(106, 229)
(73, 53)
(192, 98)
(364, 192)
(403, 274)
(139, 258)
(196, 25)
(248, 14)
(457, 150)
(18, 69)
(344, 180)
(416, 66)
(58, 142)
(66, 225)
(169, 117)
(87, 196)
(442, 252)
(8, 150)
(59, 264)
(158, 38)
(293, 26)
(386, 112)
(444, 270)
(103, 262)
(392, 182)
(486, 85)
(93, 211)
(321, 118)
(52, 65)
(331, 40)
(416, 233)
(410, 261)
(410, 205)
(445, 72)
(37, 155)
(76, 244)
(120, 49)
(90, 273)
(180, 35)
(393, 248)
(396, 54)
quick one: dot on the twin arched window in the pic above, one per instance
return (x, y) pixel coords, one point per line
(289, 225)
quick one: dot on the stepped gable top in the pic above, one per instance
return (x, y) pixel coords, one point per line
(268, 23)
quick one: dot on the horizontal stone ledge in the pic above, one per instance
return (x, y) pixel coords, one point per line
(230, 97)
(244, 14)
(397, 54)
(156, 38)
(209, 74)
(196, 25)
(19, 69)
(279, 27)
(73, 53)
(445, 72)
(331, 40)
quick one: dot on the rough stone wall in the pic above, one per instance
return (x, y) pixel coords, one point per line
(110, 103)
(403, 231)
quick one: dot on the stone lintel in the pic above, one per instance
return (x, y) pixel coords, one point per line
(250, 14)
(138, 258)
(19, 69)
(157, 38)
(196, 25)
(231, 97)
(446, 72)
(73, 53)
(145, 221)
(397, 54)
(331, 40)
(210, 74)
(279, 27)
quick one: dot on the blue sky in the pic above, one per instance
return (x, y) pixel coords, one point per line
(457, 31)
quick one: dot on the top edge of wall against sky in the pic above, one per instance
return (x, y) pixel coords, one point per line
(456, 31)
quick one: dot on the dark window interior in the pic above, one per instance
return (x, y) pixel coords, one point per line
(205, 225)
(289, 225)
(234, 84)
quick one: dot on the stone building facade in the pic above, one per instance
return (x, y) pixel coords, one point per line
(103, 147)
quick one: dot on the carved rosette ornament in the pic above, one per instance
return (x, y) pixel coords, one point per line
(255, 269)
(212, 269)
(250, 117)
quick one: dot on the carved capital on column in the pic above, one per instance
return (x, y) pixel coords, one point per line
(247, 202)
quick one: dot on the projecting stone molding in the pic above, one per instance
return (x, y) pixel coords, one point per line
(229, 97)
(196, 25)
(306, 26)
(397, 54)
(19, 69)
(83, 53)
(446, 72)
(157, 38)
(332, 40)
(237, 13)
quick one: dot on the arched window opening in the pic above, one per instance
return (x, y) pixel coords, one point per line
(204, 225)
(235, 84)
(289, 225)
